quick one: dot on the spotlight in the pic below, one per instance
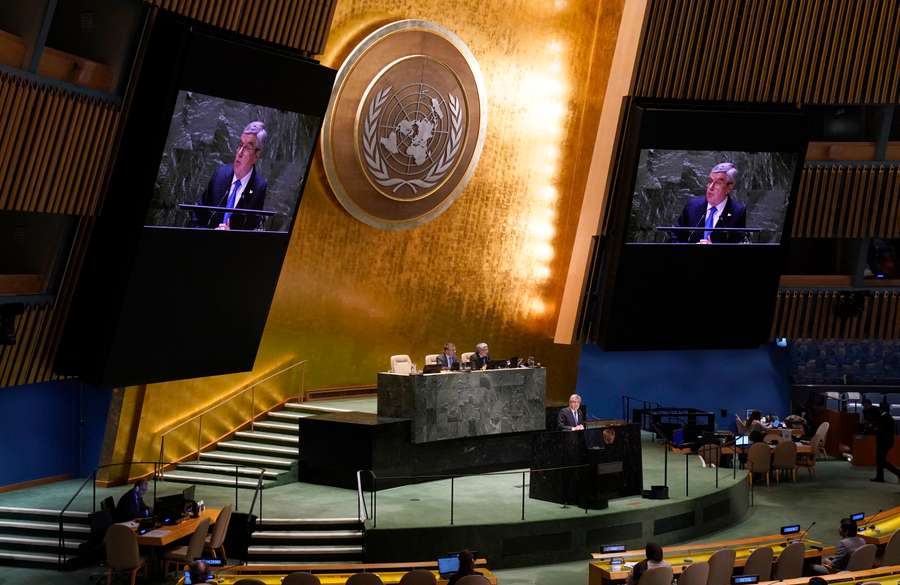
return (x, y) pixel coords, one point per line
(8, 314)
(781, 342)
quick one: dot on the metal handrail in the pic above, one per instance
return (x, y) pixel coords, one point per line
(362, 513)
(250, 388)
(256, 493)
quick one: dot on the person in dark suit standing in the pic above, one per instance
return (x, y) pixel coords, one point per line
(481, 356)
(849, 542)
(131, 505)
(716, 210)
(571, 418)
(448, 357)
(238, 185)
(881, 424)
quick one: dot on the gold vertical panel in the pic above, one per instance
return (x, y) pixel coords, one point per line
(789, 51)
(492, 267)
(309, 20)
(811, 314)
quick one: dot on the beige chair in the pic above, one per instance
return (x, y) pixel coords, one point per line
(760, 563)
(301, 579)
(785, 459)
(740, 424)
(249, 582)
(466, 357)
(862, 558)
(418, 577)
(759, 460)
(891, 554)
(474, 580)
(721, 565)
(710, 455)
(654, 576)
(192, 550)
(695, 574)
(431, 359)
(790, 562)
(365, 579)
(817, 442)
(122, 552)
(216, 541)
(400, 364)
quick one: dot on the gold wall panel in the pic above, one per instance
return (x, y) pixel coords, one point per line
(786, 51)
(300, 24)
(811, 314)
(491, 268)
(859, 201)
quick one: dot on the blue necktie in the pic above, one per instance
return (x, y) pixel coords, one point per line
(710, 220)
(230, 202)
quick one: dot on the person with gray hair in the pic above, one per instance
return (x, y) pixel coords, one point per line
(715, 210)
(481, 357)
(237, 186)
(571, 418)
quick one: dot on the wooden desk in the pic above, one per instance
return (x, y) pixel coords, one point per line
(390, 573)
(165, 535)
(601, 571)
(883, 575)
(879, 528)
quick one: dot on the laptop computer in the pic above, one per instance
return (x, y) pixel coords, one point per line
(447, 565)
(432, 369)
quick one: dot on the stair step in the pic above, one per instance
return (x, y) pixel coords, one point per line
(266, 437)
(43, 526)
(37, 541)
(313, 408)
(10, 555)
(42, 512)
(279, 427)
(229, 470)
(306, 521)
(308, 534)
(304, 550)
(211, 479)
(288, 416)
(247, 459)
(257, 448)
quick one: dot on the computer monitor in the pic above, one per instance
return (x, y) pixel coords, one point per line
(447, 565)
(188, 493)
(742, 441)
(170, 509)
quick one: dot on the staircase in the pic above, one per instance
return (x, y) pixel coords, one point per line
(272, 444)
(30, 536)
(306, 540)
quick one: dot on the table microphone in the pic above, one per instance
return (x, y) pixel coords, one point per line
(805, 532)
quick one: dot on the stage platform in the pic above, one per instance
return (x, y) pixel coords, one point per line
(413, 522)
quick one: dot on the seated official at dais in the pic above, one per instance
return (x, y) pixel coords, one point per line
(447, 359)
(481, 357)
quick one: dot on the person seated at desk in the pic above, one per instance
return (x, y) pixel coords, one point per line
(849, 542)
(755, 422)
(481, 356)
(466, 567)
(654, 559)
(448, 357)
(131, 505)
(570, 417)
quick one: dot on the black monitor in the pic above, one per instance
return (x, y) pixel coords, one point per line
(188, 493)
(169, 509)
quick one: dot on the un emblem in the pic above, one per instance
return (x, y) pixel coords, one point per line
(405, 127)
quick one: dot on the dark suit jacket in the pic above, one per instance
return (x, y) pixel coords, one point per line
(443, 361)
(694, 215)
(131, 506)
(843, 550)
(216, 195)
(565, 421)
(479, 362)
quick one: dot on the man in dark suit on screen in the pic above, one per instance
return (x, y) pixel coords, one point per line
(716, 210)
(238, 185)
(571, 418)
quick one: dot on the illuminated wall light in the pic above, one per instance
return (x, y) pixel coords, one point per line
(543, 252)
(547, 193)
(536, 305)
(551, 153)
(543, 230)
(560, 4)
(555, 47)
(541, 272)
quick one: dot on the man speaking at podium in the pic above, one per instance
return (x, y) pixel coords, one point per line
(237, 185)
(716, 210)
(570, 417)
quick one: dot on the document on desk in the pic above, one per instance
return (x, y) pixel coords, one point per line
(155, 533)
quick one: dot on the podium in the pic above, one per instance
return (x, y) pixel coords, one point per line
(587, 468)
(205, 214)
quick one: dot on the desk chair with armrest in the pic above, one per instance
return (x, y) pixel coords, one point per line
(301, 579)
(790, 562)
(215, 542)
(760, 563)
(695, 574)
(721, 565)
(654, 576)
(891, 554)
(466, 357)
(431, 359)
(186, 553)
(862, 558)
(785, 460)
(418, 577)
(364, 579)
(482, 580)
(122, 554)
(759, 460)
(400, 364)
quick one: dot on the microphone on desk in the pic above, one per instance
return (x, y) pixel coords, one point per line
(805, 532)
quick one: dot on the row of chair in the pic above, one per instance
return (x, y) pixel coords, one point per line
(402, 364)
(789, 565)
(417, 577)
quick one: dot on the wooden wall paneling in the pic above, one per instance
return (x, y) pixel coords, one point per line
(835, 197)
(325, 26)
(893, 191)
(818, 322)
(774, 330)
(53, 153)
(56, 196)
(14, 136)
(878, 201)
(889, 78)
